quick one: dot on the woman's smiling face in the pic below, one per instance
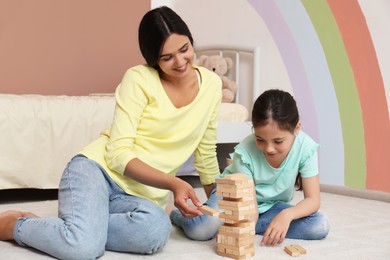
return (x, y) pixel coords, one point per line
(176, 56)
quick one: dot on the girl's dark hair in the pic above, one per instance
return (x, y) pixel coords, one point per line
(278, 106)
(154, 29)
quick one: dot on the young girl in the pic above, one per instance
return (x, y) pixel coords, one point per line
(113, 194)
(278, 156)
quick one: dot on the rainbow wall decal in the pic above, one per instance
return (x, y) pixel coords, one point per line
(331, 61)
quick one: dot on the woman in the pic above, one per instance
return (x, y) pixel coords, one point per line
(113, 194)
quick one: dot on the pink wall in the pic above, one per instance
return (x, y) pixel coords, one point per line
(67, 47)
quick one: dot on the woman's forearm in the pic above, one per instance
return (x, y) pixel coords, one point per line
(145, 174)
(182, 191)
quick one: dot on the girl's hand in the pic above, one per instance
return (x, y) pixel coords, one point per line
(183, 191)
(277, 229)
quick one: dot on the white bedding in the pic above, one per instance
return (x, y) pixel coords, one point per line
(40, 134)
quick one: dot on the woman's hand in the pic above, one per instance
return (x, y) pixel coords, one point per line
(183, 191)
(277, 229)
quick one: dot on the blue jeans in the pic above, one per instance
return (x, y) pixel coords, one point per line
(313, 227)
(200, 228)
(95, 214)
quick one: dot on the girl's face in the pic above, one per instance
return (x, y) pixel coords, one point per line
(274, 142)
(177, 56)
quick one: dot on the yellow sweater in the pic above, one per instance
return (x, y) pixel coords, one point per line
(148, 126)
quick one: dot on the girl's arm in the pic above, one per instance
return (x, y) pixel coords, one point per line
(311, 202)
(277, 229)
(208, 189)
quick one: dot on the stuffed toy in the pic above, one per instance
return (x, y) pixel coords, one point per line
(221, 65)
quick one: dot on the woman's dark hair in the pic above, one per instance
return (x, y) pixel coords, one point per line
(280, 107)
(154, 29)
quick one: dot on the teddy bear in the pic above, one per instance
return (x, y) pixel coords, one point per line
(221, 65)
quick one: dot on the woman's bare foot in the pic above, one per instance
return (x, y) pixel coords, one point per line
(8, 220)
(29, 215)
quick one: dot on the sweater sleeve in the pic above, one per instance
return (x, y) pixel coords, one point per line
(130, 103)
(206, 161)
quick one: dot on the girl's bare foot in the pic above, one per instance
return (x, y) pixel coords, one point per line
(8, 220)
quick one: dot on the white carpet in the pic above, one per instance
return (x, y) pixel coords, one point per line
(360, 229)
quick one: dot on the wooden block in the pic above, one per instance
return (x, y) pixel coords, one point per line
(222, 250)
(301, 250)
(242, 193)
(231, 220)
(235, 239)
(237, 231)
(209, 211)
(231, 256)
(236, 228)
(237, 208)
(226, 188)
(246, 199)
(224, 183)
(251, 224)
(231, 217)
(226, 194)
(235, 250)
(236, 176)
(241, 257)
(292, 251)
(236, 212)
(245, 194)
(239, 217)
(220, 181)
(235, 204)
(234, 186)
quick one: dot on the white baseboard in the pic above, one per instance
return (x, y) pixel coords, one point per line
(353, 192)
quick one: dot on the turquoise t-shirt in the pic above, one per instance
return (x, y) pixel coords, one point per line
(275, 185)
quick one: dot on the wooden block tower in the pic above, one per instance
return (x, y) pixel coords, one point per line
(236, 237)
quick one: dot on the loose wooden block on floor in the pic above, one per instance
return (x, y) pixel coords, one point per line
(291, 251)
(301, 250)
(295, 250)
